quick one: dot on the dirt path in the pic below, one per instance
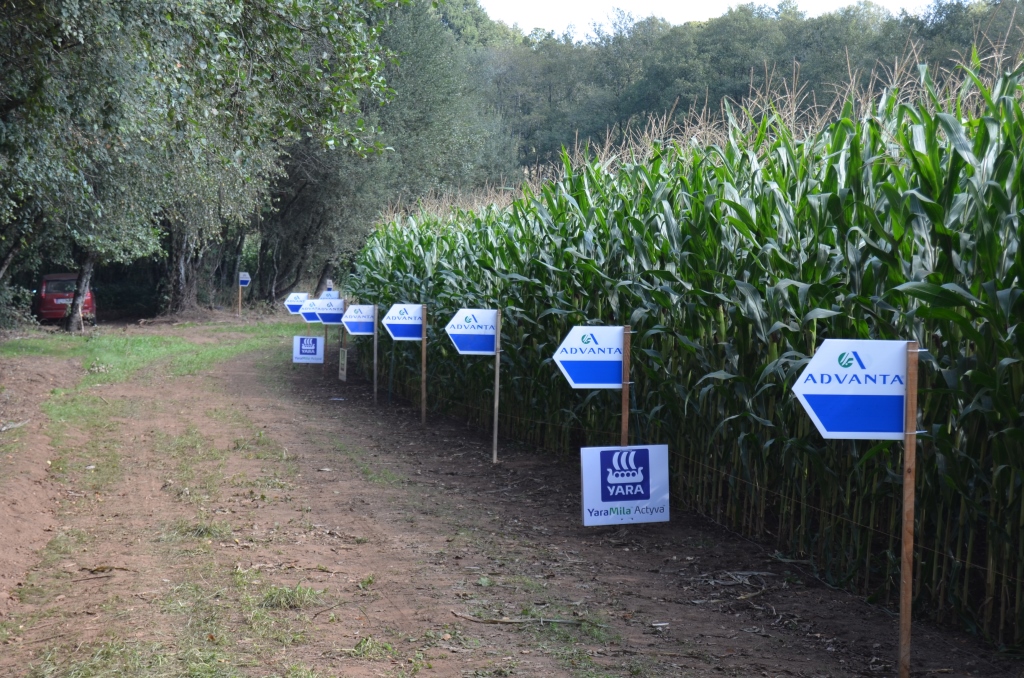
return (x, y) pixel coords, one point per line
(262, 520)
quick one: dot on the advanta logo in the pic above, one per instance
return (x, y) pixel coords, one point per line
(625, 475)
(846, 360)
(471, 320)
(587, 338)
(403, 312)
(307, 346)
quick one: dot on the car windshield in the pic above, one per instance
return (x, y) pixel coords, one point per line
(60, 286)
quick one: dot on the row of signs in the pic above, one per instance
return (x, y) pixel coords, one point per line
(851, 388)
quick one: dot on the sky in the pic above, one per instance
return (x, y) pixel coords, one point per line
(557, 15)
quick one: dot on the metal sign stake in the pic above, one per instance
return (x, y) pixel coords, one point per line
(497, 379)
(907, 540)
(423, 374)
(624, 438)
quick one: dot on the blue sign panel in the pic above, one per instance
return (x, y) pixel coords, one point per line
(358, 320)
(330, 311)
(473, 331)
(295, 301)
(308, 311)
(244, 279)
(591, 357)
(855, 389)
(404, 322)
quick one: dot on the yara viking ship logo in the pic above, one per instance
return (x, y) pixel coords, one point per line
(307, 346)
(625, 475)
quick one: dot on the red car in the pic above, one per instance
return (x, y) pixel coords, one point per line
(54, 296)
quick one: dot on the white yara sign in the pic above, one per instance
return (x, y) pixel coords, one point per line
(307, 349)
(624, 484)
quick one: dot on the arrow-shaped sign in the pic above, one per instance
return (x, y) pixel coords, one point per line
(591, 357)
(244, 279)
(295, 301)
(309, 309)
(472, 330)
(358, 320)
(854, 389)
(330, 311)
(404, 322)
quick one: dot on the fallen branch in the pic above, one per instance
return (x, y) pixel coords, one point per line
(10, 427)
(326, 609)
(102, 576)
(539, 620)
(755, 594)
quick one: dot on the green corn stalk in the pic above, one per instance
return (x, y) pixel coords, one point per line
(732, 262)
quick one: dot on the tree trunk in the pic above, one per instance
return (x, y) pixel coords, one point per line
(73, 320)
(185, 259)
(325, 275)
(6, 263)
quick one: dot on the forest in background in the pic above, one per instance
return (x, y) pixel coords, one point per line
(168, 145)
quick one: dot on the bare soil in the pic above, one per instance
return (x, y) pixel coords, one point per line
(266, 519)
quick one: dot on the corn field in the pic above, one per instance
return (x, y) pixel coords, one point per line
(732, 261)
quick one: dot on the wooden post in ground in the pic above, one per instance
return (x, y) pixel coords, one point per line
(324, 364)
(375, 355)
(624, 439)
(497, 383)
(239, 299)
(907, 540)
(423, 374)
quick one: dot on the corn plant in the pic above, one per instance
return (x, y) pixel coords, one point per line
(732, 261)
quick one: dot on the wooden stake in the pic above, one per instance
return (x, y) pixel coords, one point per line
(375, 355)
(423, 374)
(909, 473)
(624, 439)
(497, 381)
(239, 300)
(324, 363)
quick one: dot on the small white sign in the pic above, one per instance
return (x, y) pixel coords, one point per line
(473, 331)
(358, 320)
(343, 364)
(295, 301)
(308, 350)
(330, 311)
(854, 389)
(244, 279)
(330, 294)
(404, 322)
(309, 310)
(591, 357)
(625, 484)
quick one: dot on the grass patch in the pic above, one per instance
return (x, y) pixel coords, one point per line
(290, 598)
(76, 415)
(115, 357)
(371, 648)
(214, 530)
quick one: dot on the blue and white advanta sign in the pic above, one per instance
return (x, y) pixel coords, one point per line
(330, 311)
(358, 320)
(307, 349)
(244, 279)
(625, 484)
(473, 331)
(330, 294)
(295, 301)
(591, 357)
(309, 309)
(404, 322)
(855, 389)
